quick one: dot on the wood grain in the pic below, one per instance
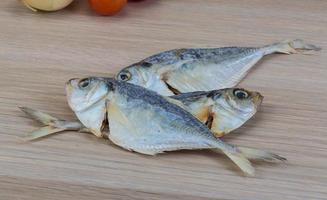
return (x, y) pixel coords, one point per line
(40, 51)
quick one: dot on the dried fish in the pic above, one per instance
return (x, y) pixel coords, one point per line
(142, 121)
(54, 125)
(221, 110)
(188, 70)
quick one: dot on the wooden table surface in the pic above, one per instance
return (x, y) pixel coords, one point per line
(40, 51)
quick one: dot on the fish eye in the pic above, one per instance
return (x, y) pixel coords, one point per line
(84, 83)
(125, 76)
(240, 94)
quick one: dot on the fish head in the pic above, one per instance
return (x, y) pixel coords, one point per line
(232, 107)
(135, 74)
(144, 74)
(87, 98)
(84, 93)
(243, 102)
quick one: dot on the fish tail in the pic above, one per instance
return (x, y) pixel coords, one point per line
(289, 47)
(238, 158)
(42, 132)
(39, 116)
(242, 162)
(256, 154)
(50, 124)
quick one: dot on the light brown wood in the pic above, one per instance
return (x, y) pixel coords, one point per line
(40, 51)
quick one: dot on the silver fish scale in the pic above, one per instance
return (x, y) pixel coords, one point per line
(171, 146)
(191, 97)
(176, 55)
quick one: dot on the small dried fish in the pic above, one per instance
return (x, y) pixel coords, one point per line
(85, 100)
(142, 121)
(54, 125)
(188, 70)
(221, 110)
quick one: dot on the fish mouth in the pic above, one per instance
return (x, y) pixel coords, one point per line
(70, 85)
(70, 81)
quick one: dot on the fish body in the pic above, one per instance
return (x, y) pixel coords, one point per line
(188, 70)
(143, 121)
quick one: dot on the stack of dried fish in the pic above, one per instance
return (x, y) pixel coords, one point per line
(178, 99)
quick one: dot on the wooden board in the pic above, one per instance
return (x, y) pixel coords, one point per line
(39, 52)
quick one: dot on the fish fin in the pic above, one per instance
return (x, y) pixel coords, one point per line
(290, 47)
(241, 161)
(39, 116)
(42, 132)
(256, 154)
(176, 102)
(203, 114)
(235, 155)
(219, 134)
(146, 152)
(52, 124)
(186, 82)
